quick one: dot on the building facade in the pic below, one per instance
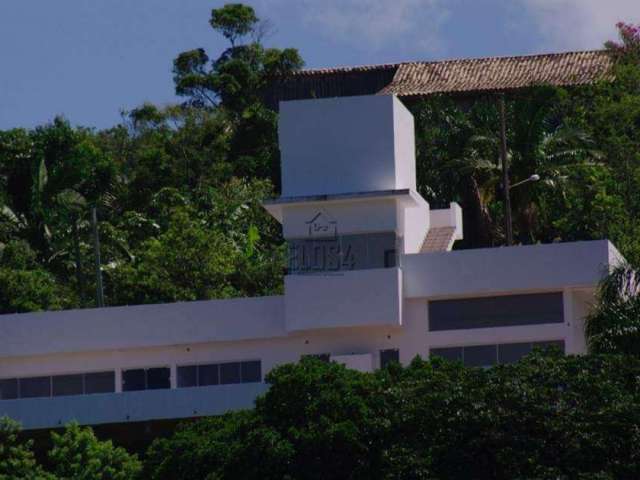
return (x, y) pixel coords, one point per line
(372, 279)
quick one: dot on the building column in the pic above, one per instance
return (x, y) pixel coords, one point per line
(118, 380)
(173, 376)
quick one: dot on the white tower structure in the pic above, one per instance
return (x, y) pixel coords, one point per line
(349, 210)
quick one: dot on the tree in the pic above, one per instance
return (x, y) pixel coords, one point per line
(613, 326)
(17, 461)
(547, 416)
(235, 82)
(24, 285)
(234, 21)
(78, 455)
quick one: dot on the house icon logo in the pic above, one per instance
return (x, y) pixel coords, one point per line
(322, 224)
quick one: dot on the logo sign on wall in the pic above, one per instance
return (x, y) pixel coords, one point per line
(325, 250)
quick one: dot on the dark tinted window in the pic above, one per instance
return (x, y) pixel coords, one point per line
(133, 380)
(208, 375)
(158, 378)
(67, 385)
(230, 372)
(389, 356)
(251, 372)
(187, 376)
(35, 387)
(9, 389)
(480, 356)
(453, 353)
(512, 352)
(100, 382)
(512, 310)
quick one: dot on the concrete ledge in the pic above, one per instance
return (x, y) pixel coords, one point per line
(36, 413)
(141, 326)
(509, 269)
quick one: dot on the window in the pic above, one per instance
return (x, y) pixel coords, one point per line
(58, 385)
(251, 372)
(389, 356)
(145, 379)
(507, 311)
(487, 355)
(220, 373)
(158, 378)
(67, 385)
(99, 382)
(230, 373)
(187, 376)
(208, 375)
(9, 389)
(35, 387)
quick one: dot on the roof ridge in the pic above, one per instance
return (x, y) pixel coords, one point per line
(506, 57)
(345, 69)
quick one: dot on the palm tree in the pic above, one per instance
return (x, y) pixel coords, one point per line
(614, 324)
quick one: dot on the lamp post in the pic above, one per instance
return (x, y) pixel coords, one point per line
(506, 187)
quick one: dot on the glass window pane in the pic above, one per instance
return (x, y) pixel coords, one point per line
(251, 372)
(480, 356)
(187, 376)
(158, 378)
(35, 387)
(133, 380)
(8, 389)
(512, 352)
(67, 385)
(208, 375)
(230, 372)
(486, 312)
(388, 356)
(99, 382)
(453, 354)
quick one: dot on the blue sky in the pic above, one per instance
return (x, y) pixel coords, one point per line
(89, 59)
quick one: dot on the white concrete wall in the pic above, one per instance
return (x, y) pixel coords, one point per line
(351, 217)
(343, 299)
(346, 145)
(490, 270)
(415, 225)
(140, 326)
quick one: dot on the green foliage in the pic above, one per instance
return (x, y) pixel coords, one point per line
(234, 20)
(613, 326)
(17, 461)
(24, 285)
(547, 416)
(78, 455)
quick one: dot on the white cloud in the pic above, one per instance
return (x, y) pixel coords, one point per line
(372, 24)
(580, 24)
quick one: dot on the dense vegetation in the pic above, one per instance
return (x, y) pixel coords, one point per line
(546, 417)
(178, 190)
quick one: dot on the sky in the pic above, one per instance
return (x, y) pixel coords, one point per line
(89, 60)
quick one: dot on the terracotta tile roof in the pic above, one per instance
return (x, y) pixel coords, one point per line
(447, 76)
(439, 239)
(499, 73)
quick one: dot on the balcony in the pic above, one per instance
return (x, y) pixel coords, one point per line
(51, 412)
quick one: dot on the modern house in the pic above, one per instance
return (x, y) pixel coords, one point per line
(372, 278)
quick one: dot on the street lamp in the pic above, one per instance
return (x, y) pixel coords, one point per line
(533, 178)
(507, 203)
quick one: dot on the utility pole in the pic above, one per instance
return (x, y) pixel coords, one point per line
(96, 251)
(508, 226)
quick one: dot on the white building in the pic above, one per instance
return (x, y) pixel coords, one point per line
(372, 279)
